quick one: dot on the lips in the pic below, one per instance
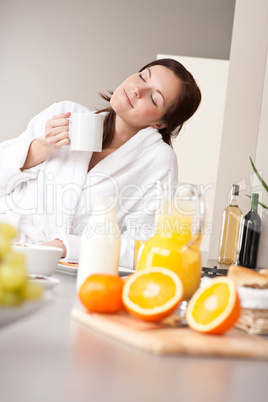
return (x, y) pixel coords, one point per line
(127, 98)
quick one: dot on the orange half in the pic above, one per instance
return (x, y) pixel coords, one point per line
(152, 294)
(214, 308)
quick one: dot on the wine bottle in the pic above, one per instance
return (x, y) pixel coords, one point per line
(231, 221)
(249, 238)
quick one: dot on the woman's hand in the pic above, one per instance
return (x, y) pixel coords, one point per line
(57, 132)
(57, 243)
(56, 136)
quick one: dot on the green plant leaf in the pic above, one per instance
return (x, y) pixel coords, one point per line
(265, 186)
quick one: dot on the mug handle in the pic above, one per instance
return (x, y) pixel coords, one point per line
(70, 121)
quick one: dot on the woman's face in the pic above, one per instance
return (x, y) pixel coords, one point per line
(143, 98)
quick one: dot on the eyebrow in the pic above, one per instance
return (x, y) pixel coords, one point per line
(150, 75)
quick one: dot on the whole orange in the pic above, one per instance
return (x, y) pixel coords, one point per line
(102, 293)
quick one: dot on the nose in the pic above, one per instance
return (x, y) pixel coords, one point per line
(138, 91)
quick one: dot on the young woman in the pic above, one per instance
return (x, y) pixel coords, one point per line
(50, 190)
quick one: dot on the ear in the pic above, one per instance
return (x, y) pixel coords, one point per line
(160, 125)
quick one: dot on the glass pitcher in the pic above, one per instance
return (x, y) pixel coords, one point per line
(178, 234)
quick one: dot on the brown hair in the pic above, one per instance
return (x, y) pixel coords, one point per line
(182, 109)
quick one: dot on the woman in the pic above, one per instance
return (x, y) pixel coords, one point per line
(52, 189)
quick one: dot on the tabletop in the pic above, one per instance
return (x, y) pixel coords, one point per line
(47, 356)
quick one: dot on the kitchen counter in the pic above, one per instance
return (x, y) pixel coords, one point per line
(47, 356)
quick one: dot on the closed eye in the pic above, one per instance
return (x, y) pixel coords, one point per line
(143, 79)
(153, 100)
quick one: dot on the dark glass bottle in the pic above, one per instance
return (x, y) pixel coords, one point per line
(249, 238)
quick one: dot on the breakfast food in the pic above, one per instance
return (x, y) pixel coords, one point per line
(263, 271)
(152, 294)
(14, 284)
(253, 293)
(248, 278)
(20, 245)
(69, 264)
(253, 321)
(102, 293)
(214, 308)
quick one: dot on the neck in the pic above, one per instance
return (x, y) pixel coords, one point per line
(123, 132)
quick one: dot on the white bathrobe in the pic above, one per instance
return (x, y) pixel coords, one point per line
(54, 198)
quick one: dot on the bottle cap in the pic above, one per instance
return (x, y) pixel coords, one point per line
(235, 189)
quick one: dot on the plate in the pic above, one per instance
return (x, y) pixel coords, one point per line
(45, 281)
(66, 269)
(73, 270)
(11, 314)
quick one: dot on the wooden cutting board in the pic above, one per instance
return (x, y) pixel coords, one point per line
(171, 337)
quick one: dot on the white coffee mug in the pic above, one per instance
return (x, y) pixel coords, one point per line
(86, 131)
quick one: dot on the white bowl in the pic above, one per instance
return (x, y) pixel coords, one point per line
(42, 260)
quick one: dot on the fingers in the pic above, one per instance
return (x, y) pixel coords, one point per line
(61, 143)
(54, 139)
(65, 115)
(57, 122)
(57, 131)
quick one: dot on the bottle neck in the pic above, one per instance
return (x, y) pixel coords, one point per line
(254, 202)
(234, 200)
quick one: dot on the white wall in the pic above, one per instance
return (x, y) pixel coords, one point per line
(70, 49)
(261, 163)
(241, 137)
(261, 157)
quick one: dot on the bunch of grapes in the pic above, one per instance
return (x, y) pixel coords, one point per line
(14, 285)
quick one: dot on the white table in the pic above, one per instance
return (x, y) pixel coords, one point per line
(49, 357)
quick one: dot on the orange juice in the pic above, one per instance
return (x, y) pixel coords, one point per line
(171, 248)
(137, 248)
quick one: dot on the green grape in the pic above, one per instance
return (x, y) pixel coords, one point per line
(31, 291)
(4, 245)
(12, 278)
(10, 298)
(8, 231)
(14, 259)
